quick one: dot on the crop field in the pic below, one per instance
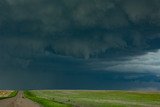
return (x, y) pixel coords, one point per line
(5, 93)
(86, 98)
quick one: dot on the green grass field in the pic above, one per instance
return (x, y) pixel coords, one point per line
(68, 98)
(44, 101)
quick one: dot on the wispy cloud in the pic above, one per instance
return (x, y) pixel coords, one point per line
(147, 63)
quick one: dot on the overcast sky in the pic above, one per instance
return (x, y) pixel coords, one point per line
(80, 44)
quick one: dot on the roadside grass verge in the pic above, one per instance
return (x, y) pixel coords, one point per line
(13, 94)
(44, 102)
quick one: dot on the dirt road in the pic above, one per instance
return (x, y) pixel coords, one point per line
(18, 101)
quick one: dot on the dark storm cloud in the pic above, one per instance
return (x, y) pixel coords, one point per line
(72, 31)
(82, 28)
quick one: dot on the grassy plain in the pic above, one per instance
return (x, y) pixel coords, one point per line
(45, 102)
(88, 98)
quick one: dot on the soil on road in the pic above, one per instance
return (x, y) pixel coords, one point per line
(18, 101)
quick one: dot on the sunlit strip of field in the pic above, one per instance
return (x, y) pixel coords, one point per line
(5, 93)
(87, 98)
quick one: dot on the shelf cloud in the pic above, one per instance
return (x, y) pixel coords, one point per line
(79, 30)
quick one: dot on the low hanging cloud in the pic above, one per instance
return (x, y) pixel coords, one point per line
(53, 39)
(82, 29)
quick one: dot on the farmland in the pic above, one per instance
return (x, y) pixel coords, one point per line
(7, 94)
(86, 98)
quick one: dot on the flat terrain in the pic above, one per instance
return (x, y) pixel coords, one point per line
(77, 98)
(18, 101)
(101, 98)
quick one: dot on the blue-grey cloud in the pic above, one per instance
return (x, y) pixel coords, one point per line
(83, 28)
(57, 37)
